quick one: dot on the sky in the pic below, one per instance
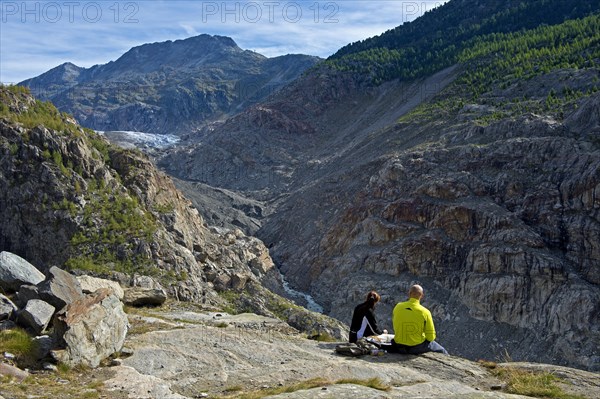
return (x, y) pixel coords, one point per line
(36, 36)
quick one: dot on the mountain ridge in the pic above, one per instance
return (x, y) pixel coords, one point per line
(174, 87)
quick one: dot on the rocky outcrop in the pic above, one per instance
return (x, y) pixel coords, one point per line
(91, 328)
(16, 271)
(139, 296)
(499, 222)
(75, 201)
(86, 329)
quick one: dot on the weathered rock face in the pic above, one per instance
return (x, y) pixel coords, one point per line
(90, 284)
(74, 201)
(60, 288)
(54, 214)
(92, 328)
(503, 227)
(15, 271)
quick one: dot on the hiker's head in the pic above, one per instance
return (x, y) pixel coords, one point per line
(372, 298)
(416, 291)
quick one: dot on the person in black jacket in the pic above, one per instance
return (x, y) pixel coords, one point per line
(363, 320)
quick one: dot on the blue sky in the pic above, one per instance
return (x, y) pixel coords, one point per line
(38, 35)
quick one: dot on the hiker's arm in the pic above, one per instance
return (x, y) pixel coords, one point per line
(429, 329)
(371, 319)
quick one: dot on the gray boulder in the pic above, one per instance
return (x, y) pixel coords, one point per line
(60, 288)
(91, 329)
(16, 271)
(138, 296)
(27, 293)
(7, 308)
(37, 315)
(90, 284)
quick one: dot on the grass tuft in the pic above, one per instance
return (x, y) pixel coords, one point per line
(374, 383)
(19, 343)
(534, 384)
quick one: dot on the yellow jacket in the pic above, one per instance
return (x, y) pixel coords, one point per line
(413, 323)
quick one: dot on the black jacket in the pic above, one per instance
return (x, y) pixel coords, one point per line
(364, 311)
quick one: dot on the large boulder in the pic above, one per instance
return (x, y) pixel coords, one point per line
(60, 288)
(91, 329)
(37, 315)
(90, 284)
(16, 271)
(7, 308)
(139, 296)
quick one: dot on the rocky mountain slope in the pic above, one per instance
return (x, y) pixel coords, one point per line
(171, 87)
(72, 200)
(478, 181)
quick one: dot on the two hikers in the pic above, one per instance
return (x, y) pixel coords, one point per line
(413, 324)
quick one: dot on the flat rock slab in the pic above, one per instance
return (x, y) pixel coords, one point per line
(140, 386)
(204, 359)
(12, 371)
(452, 390)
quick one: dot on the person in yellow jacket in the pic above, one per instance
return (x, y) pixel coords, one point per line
(413, 326)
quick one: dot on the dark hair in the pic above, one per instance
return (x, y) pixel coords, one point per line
(372, 298)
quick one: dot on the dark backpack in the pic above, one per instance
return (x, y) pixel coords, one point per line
(360, 348)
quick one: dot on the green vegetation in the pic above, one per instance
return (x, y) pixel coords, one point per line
(232, 298)
(500, 58)
(374, 383)
(528, 383)
(439, 38)
(38, 113)
(536, 384)
(101, 145)
(164, 208)
(69, 383)
(20, 344)
(114, 218)
(498, 61)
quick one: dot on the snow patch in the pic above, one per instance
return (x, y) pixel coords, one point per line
(130, 139)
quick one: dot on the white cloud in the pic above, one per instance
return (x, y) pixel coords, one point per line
(35, 37)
